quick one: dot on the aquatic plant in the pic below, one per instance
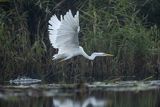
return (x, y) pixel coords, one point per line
(115, 26)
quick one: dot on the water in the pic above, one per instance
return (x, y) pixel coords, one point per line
(98, 94)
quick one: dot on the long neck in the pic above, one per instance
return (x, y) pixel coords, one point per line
(86, 55)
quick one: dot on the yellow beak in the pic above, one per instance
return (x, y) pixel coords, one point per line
(109, 54)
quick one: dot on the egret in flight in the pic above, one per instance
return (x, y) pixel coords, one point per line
(63, 34)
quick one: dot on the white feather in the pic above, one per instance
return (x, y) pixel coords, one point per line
(63, 34)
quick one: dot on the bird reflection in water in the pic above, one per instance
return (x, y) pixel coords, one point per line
(89, 102)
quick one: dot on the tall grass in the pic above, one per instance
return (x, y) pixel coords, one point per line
(115, 28)
(22, 46)
(111, 26)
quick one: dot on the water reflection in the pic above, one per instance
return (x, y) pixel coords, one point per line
(119, 94)
(89, 102)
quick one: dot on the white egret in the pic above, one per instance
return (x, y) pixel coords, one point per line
(63, 34)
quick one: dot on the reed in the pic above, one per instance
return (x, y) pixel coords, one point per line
(113, 26)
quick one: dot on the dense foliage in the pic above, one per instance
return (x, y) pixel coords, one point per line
(128, 29)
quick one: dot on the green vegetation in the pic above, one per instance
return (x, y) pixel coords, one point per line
(120, 27)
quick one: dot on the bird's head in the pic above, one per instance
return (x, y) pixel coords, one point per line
(95, 54)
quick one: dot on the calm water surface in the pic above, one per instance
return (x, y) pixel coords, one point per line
(120, 94)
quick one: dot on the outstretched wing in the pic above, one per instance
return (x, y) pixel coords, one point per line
(63, 33)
